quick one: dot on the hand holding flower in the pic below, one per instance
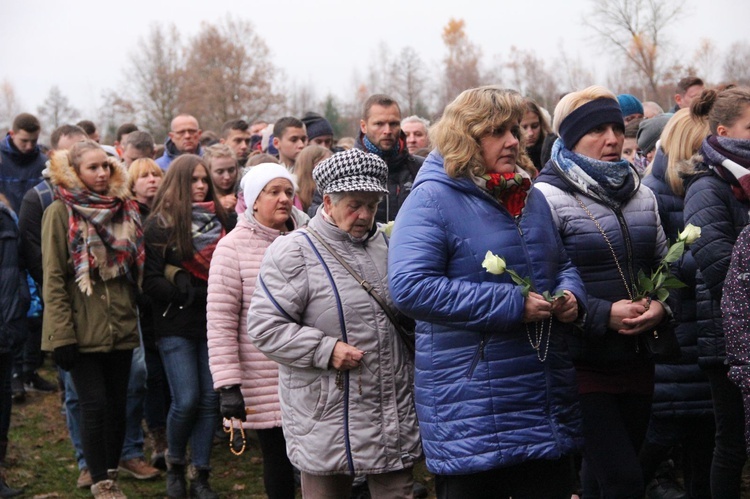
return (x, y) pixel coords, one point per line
(647, 321)
(565, 308)
(536, 308)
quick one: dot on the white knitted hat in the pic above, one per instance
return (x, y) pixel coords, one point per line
(259, 176)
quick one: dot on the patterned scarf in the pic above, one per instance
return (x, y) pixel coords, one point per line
(104, 235)
(510, 189)
(379, 152)
(730, 158)
(612, 182)
(207, 230)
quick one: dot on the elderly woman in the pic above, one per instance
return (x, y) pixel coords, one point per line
(244, 377)
(494, 385)
(611, 229)
(344, 372)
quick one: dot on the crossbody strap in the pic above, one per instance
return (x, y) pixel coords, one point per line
(370, 291)
(609, 244)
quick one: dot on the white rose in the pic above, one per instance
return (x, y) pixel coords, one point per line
(387, 228)
(493, 264)
(690, 234)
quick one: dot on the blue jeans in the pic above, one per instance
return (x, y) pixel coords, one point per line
(193, 415)
(133, 446)
(73, 417)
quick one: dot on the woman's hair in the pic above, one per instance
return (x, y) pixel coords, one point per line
(681, 138)
(722, 107)
(140, 168)
(261, 158)
(303, 167)
(76, 152)
(474, 114)
(173, 204)
(533, 107)
(574, 100)
(216, 151)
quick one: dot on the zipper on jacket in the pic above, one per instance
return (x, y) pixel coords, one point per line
(628, 245)
(479, 354)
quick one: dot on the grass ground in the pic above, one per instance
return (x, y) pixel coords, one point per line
(41, 458)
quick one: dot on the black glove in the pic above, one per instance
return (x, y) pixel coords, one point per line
(185, 287)
(232, 403)
(66, 357)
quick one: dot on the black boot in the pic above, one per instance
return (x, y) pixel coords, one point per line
(176, 486)
(200, 489)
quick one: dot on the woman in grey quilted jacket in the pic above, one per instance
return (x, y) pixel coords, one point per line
(345, 373)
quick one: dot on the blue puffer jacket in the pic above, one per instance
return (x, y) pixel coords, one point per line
(681, 388)
(171, 153)
(638, 241)
(711, 205)
(484, 400)
(19, 172)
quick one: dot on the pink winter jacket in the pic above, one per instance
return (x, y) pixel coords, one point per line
(232, 358)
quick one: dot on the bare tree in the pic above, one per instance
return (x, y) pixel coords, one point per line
(9, 105)
(114, 111)
(155, 70)
(737, 63)
(56, 110)
(461, 65)
(530, 76)
(410, 82)
(636, 29)
(228, 74)
(706, 59)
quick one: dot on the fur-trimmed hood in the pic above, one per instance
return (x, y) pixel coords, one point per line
(62, 174)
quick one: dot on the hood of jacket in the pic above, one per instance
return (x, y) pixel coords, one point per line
(62, 174)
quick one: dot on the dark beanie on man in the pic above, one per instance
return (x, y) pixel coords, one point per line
(316, 125)
(650, 130)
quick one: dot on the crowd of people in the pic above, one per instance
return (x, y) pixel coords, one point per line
(473, 292)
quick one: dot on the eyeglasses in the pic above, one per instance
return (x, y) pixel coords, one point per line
(189, 131)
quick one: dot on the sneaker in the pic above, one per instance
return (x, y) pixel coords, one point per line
(84, 479)
(35, 383)
(107, 489)
(16, 386)
(139, 468)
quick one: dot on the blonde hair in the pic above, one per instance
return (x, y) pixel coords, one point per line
(140, 168)
(574, 100)
(303, 167)
(681, 139)
(474, 114)
(217, 151)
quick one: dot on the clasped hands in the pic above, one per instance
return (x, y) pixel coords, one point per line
(634, 317)
(537, 308)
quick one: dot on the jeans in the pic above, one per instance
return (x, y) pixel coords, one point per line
(101, 381)
(729, 449)
(73, 417)
(133, 446)
(157, 391)
(540, 478)
(614, 427)
(194, 413)
(28, 355)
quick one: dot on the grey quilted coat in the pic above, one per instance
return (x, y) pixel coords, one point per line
(305, 302)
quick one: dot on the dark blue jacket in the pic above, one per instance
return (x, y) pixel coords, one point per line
(635, 232)
(681, 388)
(484, 400)
(19, 172)
(711, 205)
(14, 291)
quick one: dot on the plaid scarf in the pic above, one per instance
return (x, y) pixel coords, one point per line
(207, 230)
(510, 189)
(104, 236)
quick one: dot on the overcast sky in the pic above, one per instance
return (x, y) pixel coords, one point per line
(82, 45)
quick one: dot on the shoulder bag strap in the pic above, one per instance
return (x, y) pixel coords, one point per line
(370, 291)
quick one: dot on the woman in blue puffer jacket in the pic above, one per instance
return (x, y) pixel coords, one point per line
(494, 384)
